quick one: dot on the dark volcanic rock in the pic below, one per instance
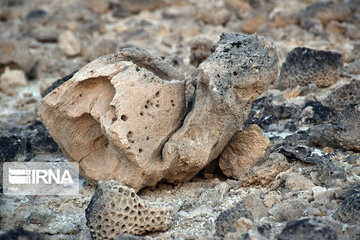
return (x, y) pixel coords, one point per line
(327, 171)
(225, 221)
(39, 139)
(344, 96)
(35, 14)
(11, 146)
(33, 138)
(304, 65)
(326, 12)
(349, 209)
(264, 112)
(307, 229)
(343, 133)
(321, 113)
(20, 234)
(125, 236)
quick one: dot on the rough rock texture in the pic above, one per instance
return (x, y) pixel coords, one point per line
(266, 172)
(343, 133)
(16, 54)
(11, 79)
(116, 209)
(225, 222)
(245, 150)
(200, 51)
(100, 48)
(326, 11)
(69, 43)
(346, 95)
(238, 70)
(290, 210)
(125, 236)
(117, 113)
(304, 65)
(349, 209)
(307, 229)
(20, 234)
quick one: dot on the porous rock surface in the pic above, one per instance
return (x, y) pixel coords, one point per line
(225, 222)
(114, 115)
(343, 133)
(266, 172)
(308, 228)
(344, 96)
(245, 150)
(116, 209)
(349, 209)
(234, 75)
(304, 65)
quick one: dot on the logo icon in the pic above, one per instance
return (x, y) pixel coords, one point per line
(19, 176)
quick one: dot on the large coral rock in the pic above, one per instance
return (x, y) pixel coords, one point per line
(246, 149)
(234, 75)
(114, 116)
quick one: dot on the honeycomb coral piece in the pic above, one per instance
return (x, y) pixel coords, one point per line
(304, 65)
(115, 209)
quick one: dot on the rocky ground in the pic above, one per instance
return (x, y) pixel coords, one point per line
(303, 178)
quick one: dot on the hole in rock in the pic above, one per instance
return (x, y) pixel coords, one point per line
(172, 103)
(124, 117)
(235, 73)
(114, 119)
(157, 94)
(157, 105)
(141, 114)
(146, 106)
(140, 150)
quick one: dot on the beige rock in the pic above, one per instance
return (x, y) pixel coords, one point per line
(100, 7)
(222, 17)
(114, 116)
(253, 202)
(266, 172)
(245, 150)
(16, 54)
(69, 44)
(251, 25)
(12, 78)
(116, 209)
(292, 209)
(335, 27)
(100, 48)
(271, 199)
(296, 182)
(228, 83)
